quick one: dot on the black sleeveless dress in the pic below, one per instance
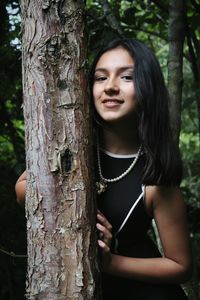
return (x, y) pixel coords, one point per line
(123, 205)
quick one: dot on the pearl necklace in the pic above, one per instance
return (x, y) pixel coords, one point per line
(102, 184)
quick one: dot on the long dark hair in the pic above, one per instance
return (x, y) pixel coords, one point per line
(162, 163)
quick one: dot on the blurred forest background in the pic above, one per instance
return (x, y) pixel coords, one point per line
(145, 20)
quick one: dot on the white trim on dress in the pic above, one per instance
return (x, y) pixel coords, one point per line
(131, 210)
(127, 217)
(118, 155)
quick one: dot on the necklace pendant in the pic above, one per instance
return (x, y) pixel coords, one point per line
(100, 187)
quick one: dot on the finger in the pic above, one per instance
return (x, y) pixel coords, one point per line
(104, 221)
(103, 246)
(101, 235)
(106, 233)
(100, 212)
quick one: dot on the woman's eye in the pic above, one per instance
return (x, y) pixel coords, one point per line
(100, 78)
(127, 77)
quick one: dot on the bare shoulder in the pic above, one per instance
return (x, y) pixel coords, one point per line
(20, 188)
(164, 197)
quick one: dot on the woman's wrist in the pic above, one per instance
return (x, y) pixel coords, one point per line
(109, 263)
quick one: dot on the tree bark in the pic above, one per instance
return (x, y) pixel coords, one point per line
(176, 34)
(60, 209)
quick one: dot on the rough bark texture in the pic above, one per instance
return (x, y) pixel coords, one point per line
(175, 62)
(59, 206)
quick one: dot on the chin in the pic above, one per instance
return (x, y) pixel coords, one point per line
(111, 120)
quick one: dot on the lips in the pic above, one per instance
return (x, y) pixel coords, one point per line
(113, 100)
(112, 103)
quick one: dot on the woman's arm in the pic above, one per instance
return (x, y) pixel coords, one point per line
(175, 266)
(20, 189)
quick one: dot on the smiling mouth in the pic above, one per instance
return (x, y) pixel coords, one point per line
(114, 101)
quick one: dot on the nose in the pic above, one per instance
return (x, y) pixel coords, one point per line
(111, 86)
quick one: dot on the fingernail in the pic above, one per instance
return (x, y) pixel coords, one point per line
(100, 216)
(101, 243)
(98, 226)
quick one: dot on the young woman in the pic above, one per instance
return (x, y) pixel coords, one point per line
(138, 174)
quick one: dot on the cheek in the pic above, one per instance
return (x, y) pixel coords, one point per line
(94, 97)
(95, 93)
(131, 93)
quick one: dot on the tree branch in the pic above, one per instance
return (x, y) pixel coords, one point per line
(110, 17)
(124, 26)
(192, 54)
(195, 5)
(176, 35)
(196, 43)
(12, 254)
(161, 5)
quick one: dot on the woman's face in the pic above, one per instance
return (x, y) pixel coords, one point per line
(113, 89)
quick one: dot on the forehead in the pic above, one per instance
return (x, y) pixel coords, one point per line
(115, 58)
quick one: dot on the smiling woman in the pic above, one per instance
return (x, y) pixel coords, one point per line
(138, 176)
(113, 89)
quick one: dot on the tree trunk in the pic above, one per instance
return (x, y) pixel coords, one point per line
(60, 208)
(176, 34)
(194, 54)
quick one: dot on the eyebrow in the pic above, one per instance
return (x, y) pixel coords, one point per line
(119, 69)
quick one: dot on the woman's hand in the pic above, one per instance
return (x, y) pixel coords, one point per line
(104, 241)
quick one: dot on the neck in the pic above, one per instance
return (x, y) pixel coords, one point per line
(120, 140)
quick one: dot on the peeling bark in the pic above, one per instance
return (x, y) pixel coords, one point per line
(176, 34)
(60, 209)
